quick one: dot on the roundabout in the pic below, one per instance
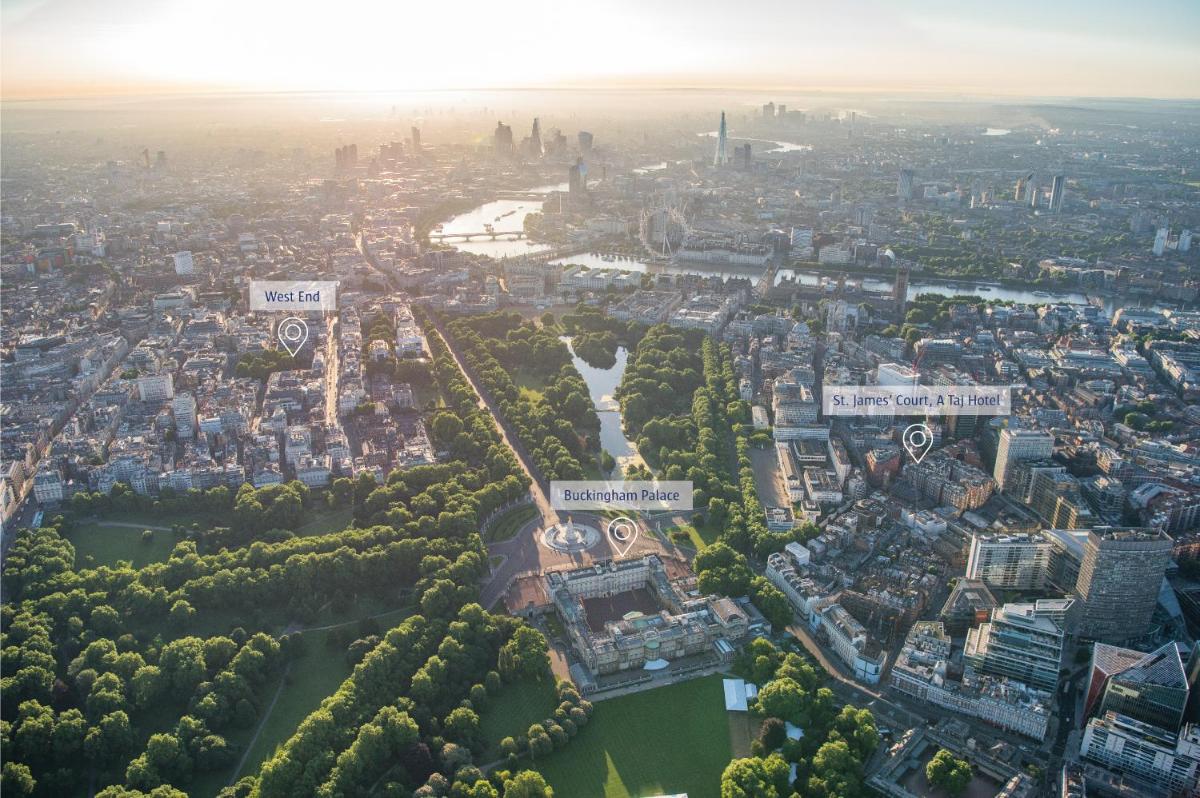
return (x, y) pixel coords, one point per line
(571, 536)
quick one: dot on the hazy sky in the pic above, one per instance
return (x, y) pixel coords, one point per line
(1036, 47)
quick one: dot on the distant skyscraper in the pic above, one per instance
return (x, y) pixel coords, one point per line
(900, 289)
(769, 111)
(346, 157)
(782, 111)
(1185, 241)
(1160, 240)
(535, 139)
(904, 184)
(744, 155)
(1033, 192)
(416, 138)
(1119, 581)
(1058, 185)
(585, 142)
(502, 139)
(1021, 187)
(721, 158)
(1019, 445)
(577, 179)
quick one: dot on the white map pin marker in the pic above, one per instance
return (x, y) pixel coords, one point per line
(918, 440)
(622, 533)
(292, 333)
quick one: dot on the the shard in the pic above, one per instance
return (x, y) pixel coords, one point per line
(721, 158)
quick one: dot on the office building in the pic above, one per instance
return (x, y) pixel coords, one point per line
(1057, 498)
(1058, 185)
(895, 374)
(969, 604)
(1022, 476)
(585, 142)
(923, 670)
(1119, 581)
(1018, 445)
(744, 156)
(800, 240)
(502, 139)
(184, 408)
(48, 485)
(1160, 240)
(577, 179)
(1009, 562)
(904, 184)
(1021, 641)
(155, 387)
(1167, 763)
(185, 265)
(1151, 688)
(416, 139)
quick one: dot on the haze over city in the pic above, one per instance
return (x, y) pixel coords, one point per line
(1072, 48)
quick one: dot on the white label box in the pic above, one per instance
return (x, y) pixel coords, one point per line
(293, 295)
(635, 495)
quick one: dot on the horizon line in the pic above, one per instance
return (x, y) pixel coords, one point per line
(617, 87)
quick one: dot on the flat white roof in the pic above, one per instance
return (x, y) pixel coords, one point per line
(735, 695)
(738, 692)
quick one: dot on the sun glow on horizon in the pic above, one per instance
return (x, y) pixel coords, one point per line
(56, 47)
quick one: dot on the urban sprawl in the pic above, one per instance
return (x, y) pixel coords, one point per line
(191, 513)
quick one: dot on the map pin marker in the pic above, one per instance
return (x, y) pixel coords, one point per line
(292, 333)
(918, 440)
(622, 533)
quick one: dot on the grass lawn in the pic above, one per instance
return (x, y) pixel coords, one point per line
(325, 521)
(531, 385)
(97, 544)
(511, 713)
(510, 523)
(424, 394)
(313, 677)
(697, 536)
(673, 739)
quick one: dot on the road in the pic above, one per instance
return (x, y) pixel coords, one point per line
(856, 693)
(767, 480)
(332, 371)
(540, 500)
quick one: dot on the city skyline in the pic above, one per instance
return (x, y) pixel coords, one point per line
(1068, 49)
